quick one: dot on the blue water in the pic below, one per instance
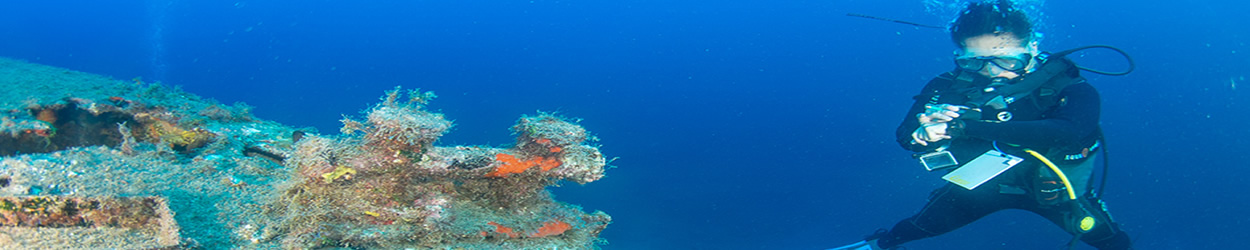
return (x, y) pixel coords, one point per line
(739, 124)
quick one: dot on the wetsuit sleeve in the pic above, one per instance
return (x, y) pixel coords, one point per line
(910, 124)
(1073, 120)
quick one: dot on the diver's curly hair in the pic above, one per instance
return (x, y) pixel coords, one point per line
(991, 17)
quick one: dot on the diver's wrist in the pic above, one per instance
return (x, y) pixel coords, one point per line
(955, 128)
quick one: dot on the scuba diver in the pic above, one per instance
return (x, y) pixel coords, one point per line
(1022, 127)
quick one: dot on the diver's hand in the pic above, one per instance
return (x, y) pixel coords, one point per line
(939, 113)
(930, 132)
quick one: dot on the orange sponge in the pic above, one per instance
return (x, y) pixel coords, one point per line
(512, 165)
(551, 228)
(505, 230)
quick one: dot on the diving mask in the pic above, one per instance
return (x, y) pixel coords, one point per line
(1014, 63)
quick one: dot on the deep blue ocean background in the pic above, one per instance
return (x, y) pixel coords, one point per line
(739, 124)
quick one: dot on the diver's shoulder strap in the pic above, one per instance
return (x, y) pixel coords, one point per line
(937, 86)
(954, 82)
(1048, 93)
(1051, 68)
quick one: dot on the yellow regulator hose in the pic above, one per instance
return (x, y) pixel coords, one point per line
(1062, 177)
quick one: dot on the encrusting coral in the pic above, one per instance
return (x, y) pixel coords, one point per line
(384, 184)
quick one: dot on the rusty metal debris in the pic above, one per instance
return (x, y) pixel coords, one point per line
(57, 222)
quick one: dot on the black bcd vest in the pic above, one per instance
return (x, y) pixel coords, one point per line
(1025, 100)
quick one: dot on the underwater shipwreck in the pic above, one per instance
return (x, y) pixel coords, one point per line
(88, 161)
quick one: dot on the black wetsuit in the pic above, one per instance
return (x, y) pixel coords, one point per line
(1066, 124)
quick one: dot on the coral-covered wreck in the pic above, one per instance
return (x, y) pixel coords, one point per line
(88, 161)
